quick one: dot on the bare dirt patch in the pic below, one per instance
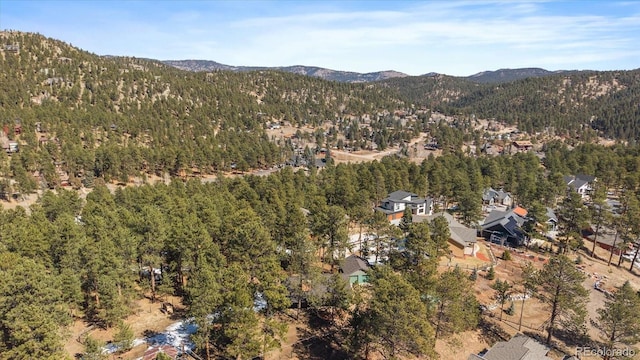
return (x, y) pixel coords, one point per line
(535, 312)
(148, 318)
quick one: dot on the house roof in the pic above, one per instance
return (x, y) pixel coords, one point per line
(404, 197)
(491, 193)
(586, 178)
(579, 180)
(520, 211)
(520, 347)
(459, 233)
(551, 215)
(401, 195)
(353, 264)
(502, 194)
(387, 211)
(508, 222)
(488, 194)
(606, 236)
(153, 352)
(496, 216)
(522, 143)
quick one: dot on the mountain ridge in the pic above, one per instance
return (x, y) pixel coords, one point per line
(323, 73)
(488, 76)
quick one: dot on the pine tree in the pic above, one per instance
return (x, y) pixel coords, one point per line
(406, 221)
(573, 217)
(456, 308)
(503, 292)
(491, 274)
(394, 320)
(560, 285)
(93, 349)
(511, 310)
(618, 318)
(124, 337)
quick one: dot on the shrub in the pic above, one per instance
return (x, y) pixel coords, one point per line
(474, 275)
(124, 337)
(511, 310)
(506, 255)
(491, 274)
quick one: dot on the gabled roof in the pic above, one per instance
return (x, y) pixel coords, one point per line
(578, 180)
(404, 197)
(520, 347)
(520, 211)
(526, 143)
(494, 216)
(509, 221)
(577, 184)
(551, 215)
(153, 352)
(585, 178)
(502, 194)
(606, 235)
(491, 193)
(400, 195)
(459, 233)
(497, 216)
(353, 264)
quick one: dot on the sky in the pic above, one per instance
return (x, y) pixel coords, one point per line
(453, 37)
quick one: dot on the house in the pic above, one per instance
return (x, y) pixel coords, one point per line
(493, 197)
(491, 149)
(394, 205)
(505, 227)
(607, 239)
(354, 270)
(168, 350)
(582, 184)
(12, 48)
(521, 146)
(552, 220)
(520, 347)
(461, 237)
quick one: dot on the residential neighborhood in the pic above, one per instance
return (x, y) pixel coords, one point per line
(192, 210)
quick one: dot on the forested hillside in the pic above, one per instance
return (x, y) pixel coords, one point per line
(322, 73)
(605, 101)
(221, 245)
(72, 111)
(239, 251)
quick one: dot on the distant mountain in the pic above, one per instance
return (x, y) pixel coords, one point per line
(327, 74)
(509, 75)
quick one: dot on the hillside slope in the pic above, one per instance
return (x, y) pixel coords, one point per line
(326, 74)
(115, 116)
(602, 100)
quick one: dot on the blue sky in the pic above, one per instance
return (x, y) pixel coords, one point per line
(415, 37)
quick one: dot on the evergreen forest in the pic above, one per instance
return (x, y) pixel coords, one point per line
(238, 251)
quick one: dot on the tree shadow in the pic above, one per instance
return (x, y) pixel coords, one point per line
(320, 339)
(573, 338)
(491, 332)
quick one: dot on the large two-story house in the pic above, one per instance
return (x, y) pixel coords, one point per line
(505, 227)
(394, 205)
(582, 184)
